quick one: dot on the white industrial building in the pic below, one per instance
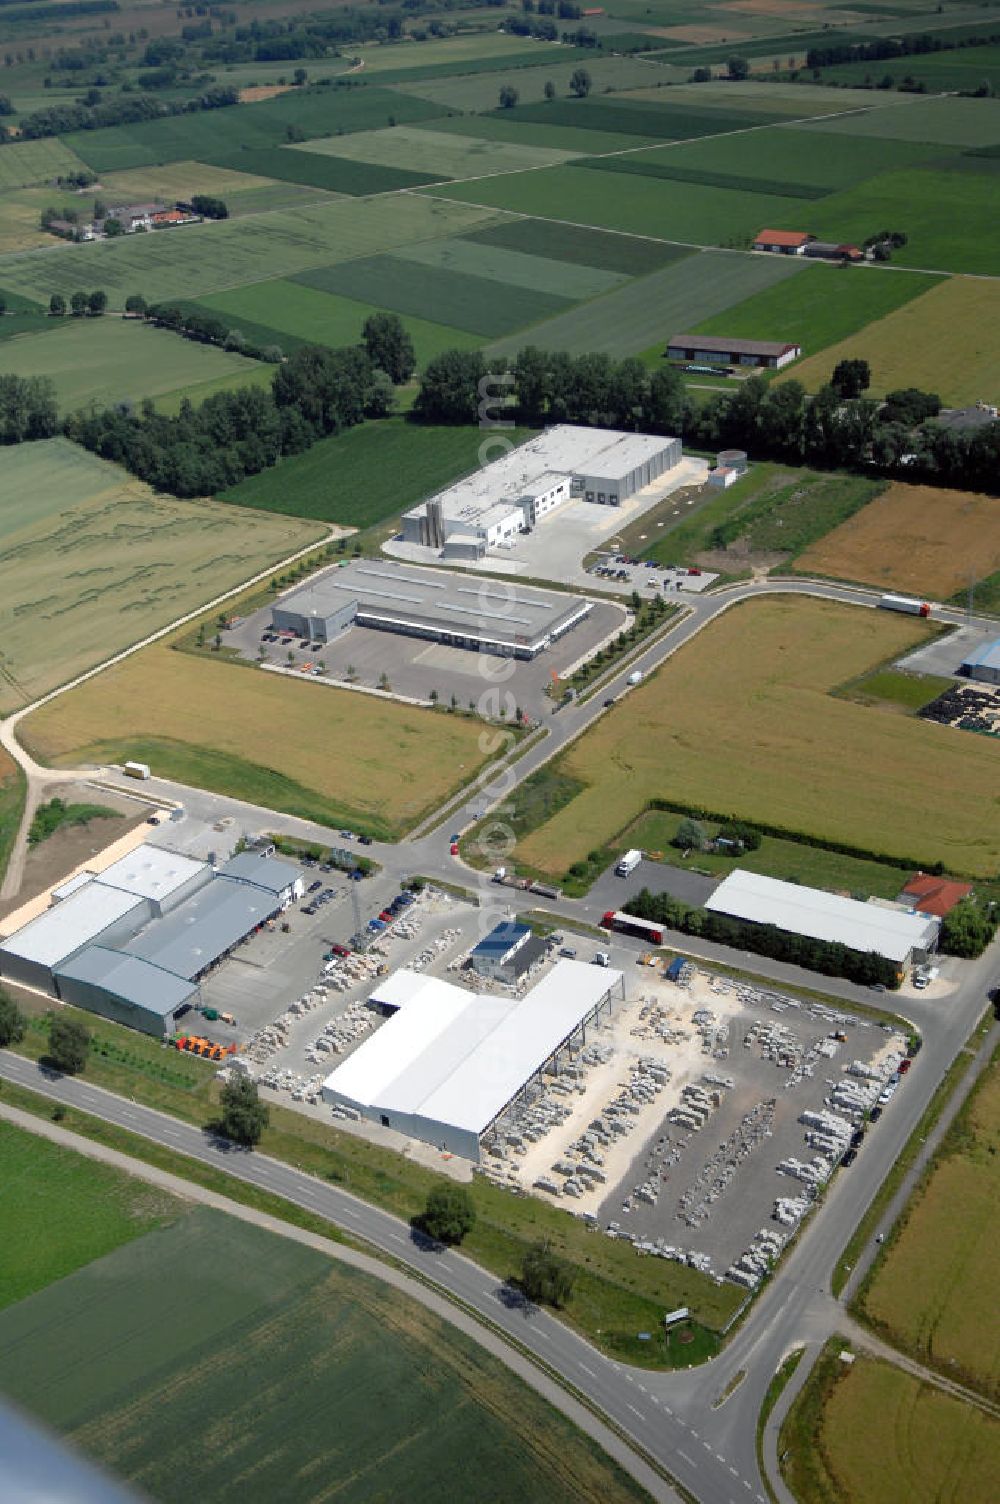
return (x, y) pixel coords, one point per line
(898, 935)
(490, 507)
(448, 1063)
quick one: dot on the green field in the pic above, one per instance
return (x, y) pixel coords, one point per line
(92, 560)
(949, 218)
(475, 304)
(368, 474)
(314, 169)
(896, 689)
(821, 306)
(431, 156)
(497, 264)
(965, 69)
(59, 1211)
(896, 786)
(108, 360)
(637, 117)
(680, 212)
(930, 1292)
(208, 258)
(656, 307)
(181, 1362)
(941, 122)
(311, 316)
(206, 135)
(632, 255)
(25, 162)
(442, 52)
(874, 1434)
(480, 91)
(566, 138)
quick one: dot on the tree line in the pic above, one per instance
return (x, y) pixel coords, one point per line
(879, 49)
(830, 959)
(123, 109)
(27, 409)
(838, 428)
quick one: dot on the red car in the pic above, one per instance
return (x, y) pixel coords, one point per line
(454, 848)
(904, 1066)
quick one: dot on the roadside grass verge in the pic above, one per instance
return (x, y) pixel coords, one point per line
(775, 1390)
(13, 787)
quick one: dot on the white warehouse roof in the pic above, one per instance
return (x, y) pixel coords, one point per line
(823, 916)
(456, 1058)
(151, 872)
(65, 928)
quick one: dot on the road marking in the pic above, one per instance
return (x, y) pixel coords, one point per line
(643, 1388)
(395, 1237)
(540, 1333)
(587, 1370)
(694, 1433)
(707, 1445)
(668, 1409)
(687, 1459)
(638, 1413)
(746, 1483)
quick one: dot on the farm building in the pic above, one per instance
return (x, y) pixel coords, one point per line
(983, 664)
(489, 508)
(933, 895)
(706, 349)
(830, 250)
(449, 1063)
(486, 616)
(507, 953)
(132, 942)
(885, 931)
(783, 242)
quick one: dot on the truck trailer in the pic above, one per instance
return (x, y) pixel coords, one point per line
(135, 769)
(628, 924)
(905, 604)
(627, 864)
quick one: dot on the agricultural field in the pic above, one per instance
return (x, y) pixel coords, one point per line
(431, 155)
(578, 245)
(766, 518)
(440, 52)
(480, 90)
(476, 304)
(965, 70)
(681, 212)
(368, 474)
(173, 181)
(779, 101)
(942, 342)
(565, 138)
(821, 306)
(656, 119)
(92, 560)
(874, 1434)
(311, 316)
(497, 264)
(930, 1293)
(396, 764)
(948, 216)
(148, 1385)
(107, 360)
(59, 1211)
(20, 212)
(656, 307)
(917, 538)
(893, 785)
(941, 122)
(314, 169)
(23, 163)
(208, 258)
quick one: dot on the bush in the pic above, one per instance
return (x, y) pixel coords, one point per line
(69, 1044)
(689, 836)
(449, 1214)
(546, 1278)
(12, 1022)
(244, 1115)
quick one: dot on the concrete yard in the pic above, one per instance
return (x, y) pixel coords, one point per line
(944, 653)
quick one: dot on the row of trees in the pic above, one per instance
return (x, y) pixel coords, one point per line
(235, 434)
(580, 84)
(27, 409)
(915, 44)
(450, 1215)
(81, 304)
(122, 109)
(863, 967)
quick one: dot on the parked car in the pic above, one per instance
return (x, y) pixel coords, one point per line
(568, 952)
(309, 908)
(315, 887)
(849, 1158)
(365, 840)
(453, 848)
(875, 1114)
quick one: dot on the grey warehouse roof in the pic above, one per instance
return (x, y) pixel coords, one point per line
(267, 872)
(71, 924)
(130, 978)
(985, 656)
(452, 601)
(152, 872)
(720, 346)
(204, 928)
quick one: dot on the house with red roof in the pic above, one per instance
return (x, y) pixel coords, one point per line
(783, 242)
(933, 895)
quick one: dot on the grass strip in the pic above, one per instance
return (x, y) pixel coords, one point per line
(903, 1163)
(802, 1464)
(775, 1390)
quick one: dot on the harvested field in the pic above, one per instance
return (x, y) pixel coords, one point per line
(176, 180)
(626, 320)
(230, 253)
(874, 1434)
(431, 155)
(59, 1211)
(84, 577)
(931, 1294)
(397, 1399)
(913, 538)
(108, 360)
(943, 342)
(25, 162)
(808, 762)
(340, 756)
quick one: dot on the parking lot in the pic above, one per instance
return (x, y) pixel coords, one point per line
(415, 668)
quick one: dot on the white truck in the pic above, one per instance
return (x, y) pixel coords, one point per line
(635, 677)
(627, 863)
(136, 769)
(906, 604)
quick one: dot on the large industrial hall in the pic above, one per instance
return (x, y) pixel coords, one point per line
(448, 1063)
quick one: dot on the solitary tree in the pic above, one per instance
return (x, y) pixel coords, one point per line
(244, 1115)
(544, 1277)
(738, 68)
(449, 1213)
(689, 836)
(389, 346)
(579, 83)
(57, 305)
(550, 89)
(97, 302)
(135, 303)
(69, 1044)
(851, 377)
(78, 303)
(508, 96)
(12, 1021)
